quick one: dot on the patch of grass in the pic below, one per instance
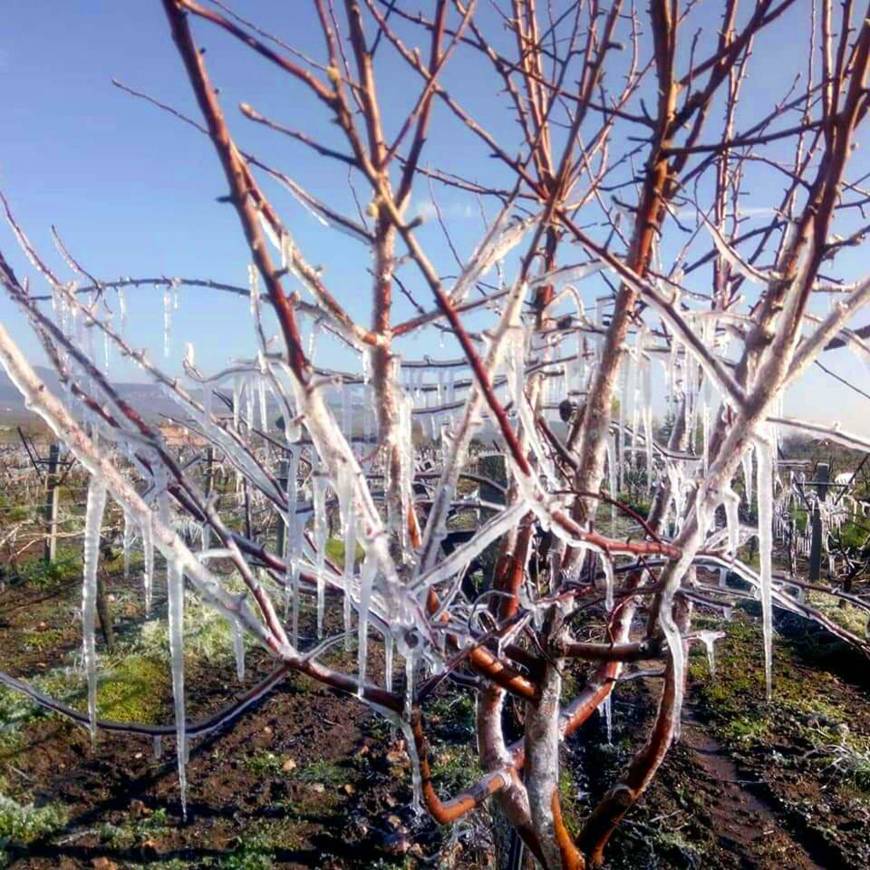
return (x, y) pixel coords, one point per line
(37, 573)
(133, 690)
(24, 823)
(252, 853)
(269, 763)
(135, 832)
(326, 772)
(207, 635)
(748, 730)
(44, 639)
(454, 768)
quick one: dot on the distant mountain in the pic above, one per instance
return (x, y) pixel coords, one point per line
(146, 398)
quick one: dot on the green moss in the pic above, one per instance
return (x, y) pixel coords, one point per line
(851, 618)
(133, 690)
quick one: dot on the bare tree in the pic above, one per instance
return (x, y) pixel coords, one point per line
(617, 243)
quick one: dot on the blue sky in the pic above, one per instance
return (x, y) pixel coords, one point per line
(133, 192)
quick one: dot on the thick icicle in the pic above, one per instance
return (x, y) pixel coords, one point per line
(294, 533)
(366, 580)
(731, 502)
(678, 660)
(765, 545)
(349, 560)
(607, 565)
(388, 661)
(320, 538)
(606, 709)
(148, 558)
(746, 462)
(93, 522)
(175, 590)
(127, 542)
(708, 638)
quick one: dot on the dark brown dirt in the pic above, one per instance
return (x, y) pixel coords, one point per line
(307, 779)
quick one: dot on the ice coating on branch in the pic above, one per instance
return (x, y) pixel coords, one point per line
(239, 649)
(765, 546)
(96, 506)
(502, 236)
(742, 268)
(175, 593)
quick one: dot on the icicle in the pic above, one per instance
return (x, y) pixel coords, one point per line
(349, 558)
(678, 660)
(293, 547)
(410, 669)
(731, 502)
(765, 544)
(320, 538)
(261, 395)
(606, 709)
(366, 580)
(622, 376)
(93, 522)
(148, 558)
(167, 318)
(416, 779)
(122, 307)
(708, 638)
(607, 565)
(746, 462)
(239, 650)
(237, 398)
(175, 590)
(127, 542)
(388, 661)
(249, 403)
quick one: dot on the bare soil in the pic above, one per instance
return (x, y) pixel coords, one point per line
(309, 779)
